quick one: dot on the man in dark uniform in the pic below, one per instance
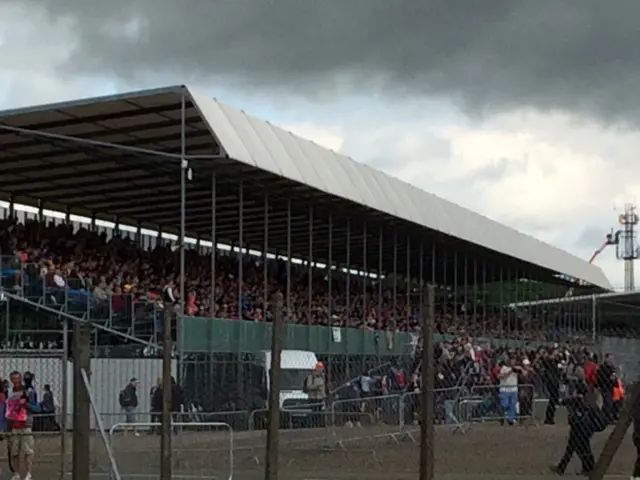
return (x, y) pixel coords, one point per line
(585, 419)
(551, 380)
(605, 380)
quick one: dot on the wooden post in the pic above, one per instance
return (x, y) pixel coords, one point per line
(427, 413)
(81, 402)
(617, 434)
(166, 428)
(273, 420)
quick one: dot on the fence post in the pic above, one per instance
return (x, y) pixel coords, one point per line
(594, 332)
(65, 397)
(165, 440)
(427, 413)
(617, 435)
(81, 407)
(273, 421)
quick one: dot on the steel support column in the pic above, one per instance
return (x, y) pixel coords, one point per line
(265, 259)
(433, 262)
(465, 279)
(444, 281)
(364, 273)
(421, 278)
(395, 275)
(239, 299)
(475, 290)
(348, 277)
(516, 294)
(379, 279)
(455, 288)
(407, 278)
(485, 315)
(501, 299)
(310, 267)
(330, 296)
(213, 244)
(289, 311)
(330, 271)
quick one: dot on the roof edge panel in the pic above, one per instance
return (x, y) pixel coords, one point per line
(407, 202)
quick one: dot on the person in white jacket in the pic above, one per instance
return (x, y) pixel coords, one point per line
(508, 377)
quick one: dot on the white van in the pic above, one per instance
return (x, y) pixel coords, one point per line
(295, 366)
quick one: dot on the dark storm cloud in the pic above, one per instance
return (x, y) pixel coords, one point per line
(488, 55)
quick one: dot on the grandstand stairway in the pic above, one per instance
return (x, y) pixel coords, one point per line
(37, 324)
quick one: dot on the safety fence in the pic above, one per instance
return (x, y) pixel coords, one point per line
(200, 449)
(453, 406)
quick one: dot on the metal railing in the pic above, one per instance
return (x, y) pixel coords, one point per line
(484, 404)
(196, 443)
(130, 313)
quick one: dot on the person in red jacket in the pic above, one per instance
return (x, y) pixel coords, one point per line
(591, 371)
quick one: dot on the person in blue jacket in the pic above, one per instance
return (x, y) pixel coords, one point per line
(33, 406)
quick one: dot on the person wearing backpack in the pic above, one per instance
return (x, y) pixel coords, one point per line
(128, 400)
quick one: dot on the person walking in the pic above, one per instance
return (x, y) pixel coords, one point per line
(585, 419)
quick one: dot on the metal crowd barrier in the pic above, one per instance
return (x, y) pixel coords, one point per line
(372, 409)
(199, 426)
(482, 404)
(311, 415)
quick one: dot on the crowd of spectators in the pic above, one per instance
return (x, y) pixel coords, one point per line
(110, 273)
(475, 372)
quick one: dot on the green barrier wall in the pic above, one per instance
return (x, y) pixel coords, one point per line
(199, 334)
(204, 335)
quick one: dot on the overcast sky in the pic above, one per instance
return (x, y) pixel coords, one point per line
(526, 111)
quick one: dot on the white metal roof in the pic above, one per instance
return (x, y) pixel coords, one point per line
(249, 141)
(260, 144)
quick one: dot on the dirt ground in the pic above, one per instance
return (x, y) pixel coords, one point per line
(484, 451)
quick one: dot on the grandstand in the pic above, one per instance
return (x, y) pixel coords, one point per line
(347, 245)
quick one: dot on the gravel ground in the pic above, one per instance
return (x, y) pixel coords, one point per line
(485, 451)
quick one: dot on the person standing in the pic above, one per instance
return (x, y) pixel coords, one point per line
(508, 377)
(19, 426)
(128, 400)
(551, 381)
(48, 407)
(156, 402)
(315, 386)
(605, 381)
(526, 389)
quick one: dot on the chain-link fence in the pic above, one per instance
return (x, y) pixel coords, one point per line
(504, 375)
(510, 368)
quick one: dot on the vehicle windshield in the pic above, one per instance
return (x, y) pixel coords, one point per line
(293, 378)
